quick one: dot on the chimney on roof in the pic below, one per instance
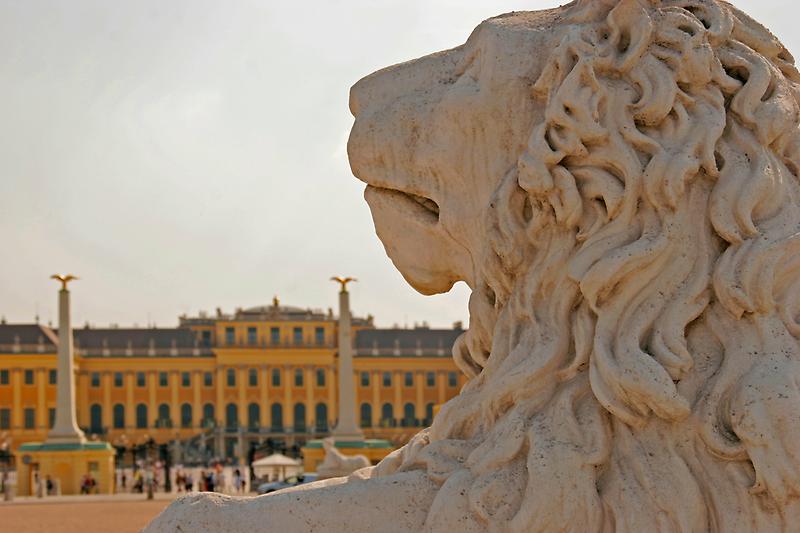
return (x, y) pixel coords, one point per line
(3, 320)
(458, 325)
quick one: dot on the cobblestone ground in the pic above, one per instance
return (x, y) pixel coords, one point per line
(119, 516)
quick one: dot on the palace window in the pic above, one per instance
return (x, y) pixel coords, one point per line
(366, 415)
(428, 414)
(387, 415)
(409, 379)
(276, 377)
(365, 379)
(119, 416)
(299, 418)
(409, 417)
(118, 379)
(319, 336)
(253, 416)
(387, 379)
(320, 377)
(208, 415)
(275, 336)
(30, 418)
(141, 416)
(140, 380)
(208, 379)
(96, 418)
(430, 379)
(162, 379)
(206, 338)
(321, 417)
(186, 379)
(52, 376)
(186, 415)
(29, 377)
(231, 377)
(94, 379)
(452, 379)
(252, 377)
(276, 416)
(230, 336)
(51, 417)
(164, 418)
(298, 377)
(231, 416)
(252, 336)
(297, 334)
(3, 377)
(5, 418)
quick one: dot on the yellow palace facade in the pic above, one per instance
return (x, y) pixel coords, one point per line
(218, 386)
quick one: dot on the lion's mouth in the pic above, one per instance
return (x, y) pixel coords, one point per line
(416, 206)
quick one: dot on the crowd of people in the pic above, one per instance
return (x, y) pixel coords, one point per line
(213, 479)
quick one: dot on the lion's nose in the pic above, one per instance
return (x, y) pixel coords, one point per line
(355, 99)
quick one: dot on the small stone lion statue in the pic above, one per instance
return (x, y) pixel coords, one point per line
(337, 464)
(617, 183)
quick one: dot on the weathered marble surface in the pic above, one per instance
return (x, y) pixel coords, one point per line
(616, 180)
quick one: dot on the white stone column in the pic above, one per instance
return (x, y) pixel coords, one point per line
(347, 428)
(65, 428)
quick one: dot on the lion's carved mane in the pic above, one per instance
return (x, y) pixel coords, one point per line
(633, 348)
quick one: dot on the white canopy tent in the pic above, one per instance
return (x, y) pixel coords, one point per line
(276, 467)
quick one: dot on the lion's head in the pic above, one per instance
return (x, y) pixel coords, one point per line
(616, 180)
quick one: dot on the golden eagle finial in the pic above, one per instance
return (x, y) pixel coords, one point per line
(64, 279)
(343, 281)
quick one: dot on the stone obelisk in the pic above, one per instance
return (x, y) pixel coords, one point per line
(347, 427)
(65, 428)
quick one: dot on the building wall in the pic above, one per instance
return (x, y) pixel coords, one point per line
(104, 382)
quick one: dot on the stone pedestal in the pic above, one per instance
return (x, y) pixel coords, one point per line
(65, 463)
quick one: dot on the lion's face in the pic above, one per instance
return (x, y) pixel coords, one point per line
(433, 136)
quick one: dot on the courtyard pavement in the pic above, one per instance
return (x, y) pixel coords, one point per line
(121, 513)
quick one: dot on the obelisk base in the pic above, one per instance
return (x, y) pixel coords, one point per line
(66, 464)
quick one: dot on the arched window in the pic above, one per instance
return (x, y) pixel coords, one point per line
(231, 377)
(164, 420)
(299, 418)
(208, 415)
(253, 416)
(96, 418)
(231, 416)
(429, 414)
(366, 415)
(141, 416)
(387, 415)
(321, 417)
(186, 415)
(276, 417)
(409, 418)
(119, 416)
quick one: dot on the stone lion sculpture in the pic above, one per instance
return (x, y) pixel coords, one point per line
(337, 464)
(616, 181)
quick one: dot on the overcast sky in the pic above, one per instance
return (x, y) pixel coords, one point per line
(186, 155)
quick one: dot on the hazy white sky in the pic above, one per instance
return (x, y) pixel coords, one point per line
(188, 155)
